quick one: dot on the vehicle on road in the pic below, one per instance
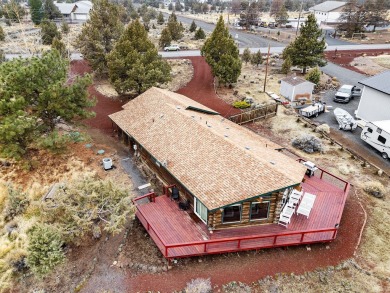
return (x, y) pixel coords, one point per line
(347, 92)
(345, 120)
(313, 110)
(172, 48)
(377, 134)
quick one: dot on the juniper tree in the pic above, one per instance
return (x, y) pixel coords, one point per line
(222, 54)
(281, 17)
(193, 26)
(99, 34)
(50, 11)
(49, 31)
(36, 11)
(256, 58)
(200, 34)
(246, 55)
(59, 45)
(175, 29)
(308, 48)
(160, 18)
(165, 38)
(134, 63)
(2, 34)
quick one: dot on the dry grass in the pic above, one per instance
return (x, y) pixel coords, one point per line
(382, 60)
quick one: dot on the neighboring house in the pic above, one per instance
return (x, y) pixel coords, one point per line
(78, 11)
(328, 12)
(233, 182)
(374, 102)
(293, 88)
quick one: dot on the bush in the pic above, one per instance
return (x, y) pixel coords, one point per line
(308, 143)
(374, 188)
(17, 203)
(200, 34)
(55, 142)
(199, 286)
(45, 249)
(241, 104)
(314, 75)
(323, 128)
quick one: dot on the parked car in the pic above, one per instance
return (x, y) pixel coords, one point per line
(347, 92)
(172, 48)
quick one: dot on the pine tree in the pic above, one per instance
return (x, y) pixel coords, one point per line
(286, 66)
(257, 58)
(59, 45)
(49, 31)
(134, 63)
(222, 54)
(314, 75)
(160, 18)
(34, 93)
(36, 11)
(2, 34)
(308, 48)
(50, 11)
(193, 26)
(165, 38)
(65, 28)
(281, 17)
(200, 34)
(246, 55)
(174, 27)
(99, 34)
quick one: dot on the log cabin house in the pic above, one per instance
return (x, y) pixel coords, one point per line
(230, 176)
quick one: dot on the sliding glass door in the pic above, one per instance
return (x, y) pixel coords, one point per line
(200, 210)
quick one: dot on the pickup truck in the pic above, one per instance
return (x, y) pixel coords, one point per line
(346, 93)
(312, 110)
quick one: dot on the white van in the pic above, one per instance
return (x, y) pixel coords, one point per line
(377, 134)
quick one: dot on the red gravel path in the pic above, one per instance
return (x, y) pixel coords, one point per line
(201, 88)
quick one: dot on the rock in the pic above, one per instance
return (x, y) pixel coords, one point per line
(114, 263)
(249, 99)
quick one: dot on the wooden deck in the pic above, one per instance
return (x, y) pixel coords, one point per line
(177, 233)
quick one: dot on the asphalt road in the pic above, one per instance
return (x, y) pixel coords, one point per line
(345, 76)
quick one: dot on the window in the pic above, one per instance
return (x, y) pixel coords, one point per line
(231, 214)
(369, 130)
(379, 130)
(200, 210)
(259, 210)
(381, 139)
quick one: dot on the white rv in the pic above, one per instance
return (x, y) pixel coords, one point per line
(377, 134)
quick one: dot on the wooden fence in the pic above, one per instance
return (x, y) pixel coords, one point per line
(255, 114)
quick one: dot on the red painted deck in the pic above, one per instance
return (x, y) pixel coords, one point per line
(177, 234)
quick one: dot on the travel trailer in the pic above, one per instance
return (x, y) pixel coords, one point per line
(377, 134)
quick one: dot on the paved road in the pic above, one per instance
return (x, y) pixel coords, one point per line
(345, 76)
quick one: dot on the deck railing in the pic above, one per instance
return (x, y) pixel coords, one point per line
(241, 243)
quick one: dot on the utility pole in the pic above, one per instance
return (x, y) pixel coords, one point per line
(266, 68)
(299, 18)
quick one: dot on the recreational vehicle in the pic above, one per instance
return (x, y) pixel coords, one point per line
(377, 134)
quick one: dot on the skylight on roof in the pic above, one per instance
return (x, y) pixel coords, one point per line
(201, 110)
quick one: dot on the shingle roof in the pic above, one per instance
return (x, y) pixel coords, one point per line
(83, 7)
(65, 8)
(379, 82)
(218, 161)
(294, 80)
(327, 6)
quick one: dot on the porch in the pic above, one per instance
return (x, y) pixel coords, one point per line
(180, 233)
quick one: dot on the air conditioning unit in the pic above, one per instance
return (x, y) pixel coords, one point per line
(107, 163)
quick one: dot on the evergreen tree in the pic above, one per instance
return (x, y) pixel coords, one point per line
(13, 11)
(34, 93)
(134, 63)
(193, 26)
(178, 6)
(222, 54)
(246, 55)
(308, 48)
(281, 17)
(2, 34)
(50, 11)
(36, 11)
(314, 75)
(170, 6)
(286, 66)
(65, 28)
(160, 18)
(49, 31)
(257, 58)
(200, 34)
(175, 29)
(59, 45)
(165, 38)
(99, 34)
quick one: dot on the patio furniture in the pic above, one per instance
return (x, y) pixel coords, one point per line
(295, 197)
(285, 215)
(184, 205)
(175, 193)
(306, 204)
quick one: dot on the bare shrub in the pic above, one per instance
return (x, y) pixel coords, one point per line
(374, 188)
(323, 128)
(199, 286)
(308, 143)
